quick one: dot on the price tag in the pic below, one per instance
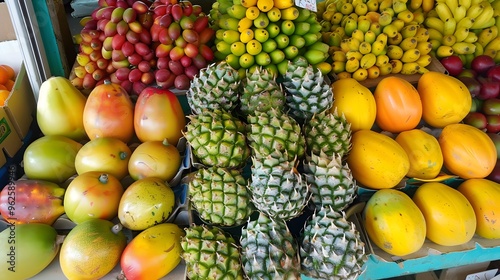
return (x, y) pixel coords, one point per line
(307, 4)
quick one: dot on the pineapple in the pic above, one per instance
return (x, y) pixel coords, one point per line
(260, 92)
(220, 196)
(210, 254)
(215, 87)
(275, 132)
(331, 247)
(328, 133)
(331, 183)
(269, 250)
(217, 138)
(277, 189)
(306, 89)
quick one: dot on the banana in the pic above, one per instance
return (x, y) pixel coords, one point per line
(385, 69)
(344, 46)
(373, 72)
(352, 65)
(334, 39)
(399, 6)
(465, 3)
(493, 45)
(449, 26)
(370, 36)
(397, 66)
(459, 13)
(336, 18)
(410, 55)
(496, 6)
(358, 34)
(443, 11)
(490, 52)
(361, 9)
(485, 19)
(384, 4)
(449, 40)
(368, 60)
(376, 28)
(415, 4)
(487, 35)
(410, 68)
(408, 43)
(435, 34)
(461, 34)
(394, 52)
(465, 22)
(399, 24)
(475, 10)
(427, 5)
(379, 46)
(396, 40)
(471, 38)
(444, 51)
(365, 47)
(360, 75)
(350, 25)
(390, 30)
(372, 5)
(409, 31)
(338, 56)
(424, 60)
(406, 16)
(353, 44)
(385, 19)
(424, 47)
(479, 49)
(451, 4)
(434, 23)
(422, 34)
(338, 66)
(418, 16)
(463, 48)
(355, 3)
(364, 23)
(356, 54)
(435, 44)
(382, 60)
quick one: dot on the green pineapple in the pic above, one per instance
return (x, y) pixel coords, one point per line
(328, 133)
(331, 247)
(210, 254)
(275, 132)
(217, 138)
(215, 87)
(260, 92)
(220, 196)
(331, 183)
(277, 188)
(306, 89)
(269, 250)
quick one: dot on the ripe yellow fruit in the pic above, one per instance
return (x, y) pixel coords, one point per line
(265, 5)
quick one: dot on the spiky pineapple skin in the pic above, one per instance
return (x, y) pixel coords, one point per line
(269, 250)
(217, 138)
(220, 196)
(331, 247)
(211, 254)
(260, 92)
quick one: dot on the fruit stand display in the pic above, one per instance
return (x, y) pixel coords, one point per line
(264, 139)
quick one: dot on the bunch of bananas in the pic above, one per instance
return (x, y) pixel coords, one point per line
(369, 38)
(268, 34)
(466, 28)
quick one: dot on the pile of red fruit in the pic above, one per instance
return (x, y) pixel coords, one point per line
(136, 43)
(482, 78)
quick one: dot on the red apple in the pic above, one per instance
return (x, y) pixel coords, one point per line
(494, 73)
(476, 119)
(482, 63)
(453, 64)
(493, 125)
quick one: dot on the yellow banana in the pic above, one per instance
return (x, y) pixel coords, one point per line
(485, 19)
(479, 49)
(424, 47)
(370, 37)
(353, 44)
(434, 23)
(353, 54)
(435, 34)
(435, 44)
(368, 60)
(408, 43)
(422, 34)
(451, 4)
(338, 56)
(399, 6)
(487, 35)
(418, 16)
(336, 18)
(360, 75)
(350, 25)
(449, 26)
(422, 70)
(410, 68)
(490, 52)
(496, 6)
(373, 72)
(385, 69)
(359, 35)
(444, 51)
(424, 60)
(465, 3)
(406, 16)
(385, 19)
(461, 34)
(459, 13)
(410, 55)
(372, 5)
(382, 60)
(432, 13)
(463, 48)
(394, 52)
(415, 4)
(475, 10)
(443, 11)
(376, 28)
(290, 13)
(449, 40)
(409, 31)
(493, 45)
(384, 4)
(465, 22)
(399, 24)
(471, 38)
(390, 30)
(427, 5)
(397, 66)
(355, 3)
(365, 47)
(338, 66)
(361, 9)
(364, 24)
(396, 40)
(351, 65)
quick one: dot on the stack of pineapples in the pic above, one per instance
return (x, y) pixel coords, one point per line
(294, 146)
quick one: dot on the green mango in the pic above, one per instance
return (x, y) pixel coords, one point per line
(27, 249)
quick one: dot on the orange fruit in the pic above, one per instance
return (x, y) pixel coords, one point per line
(9, 84)
(2, 87)
(5, 74)
(4, 94)
(10, 71)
